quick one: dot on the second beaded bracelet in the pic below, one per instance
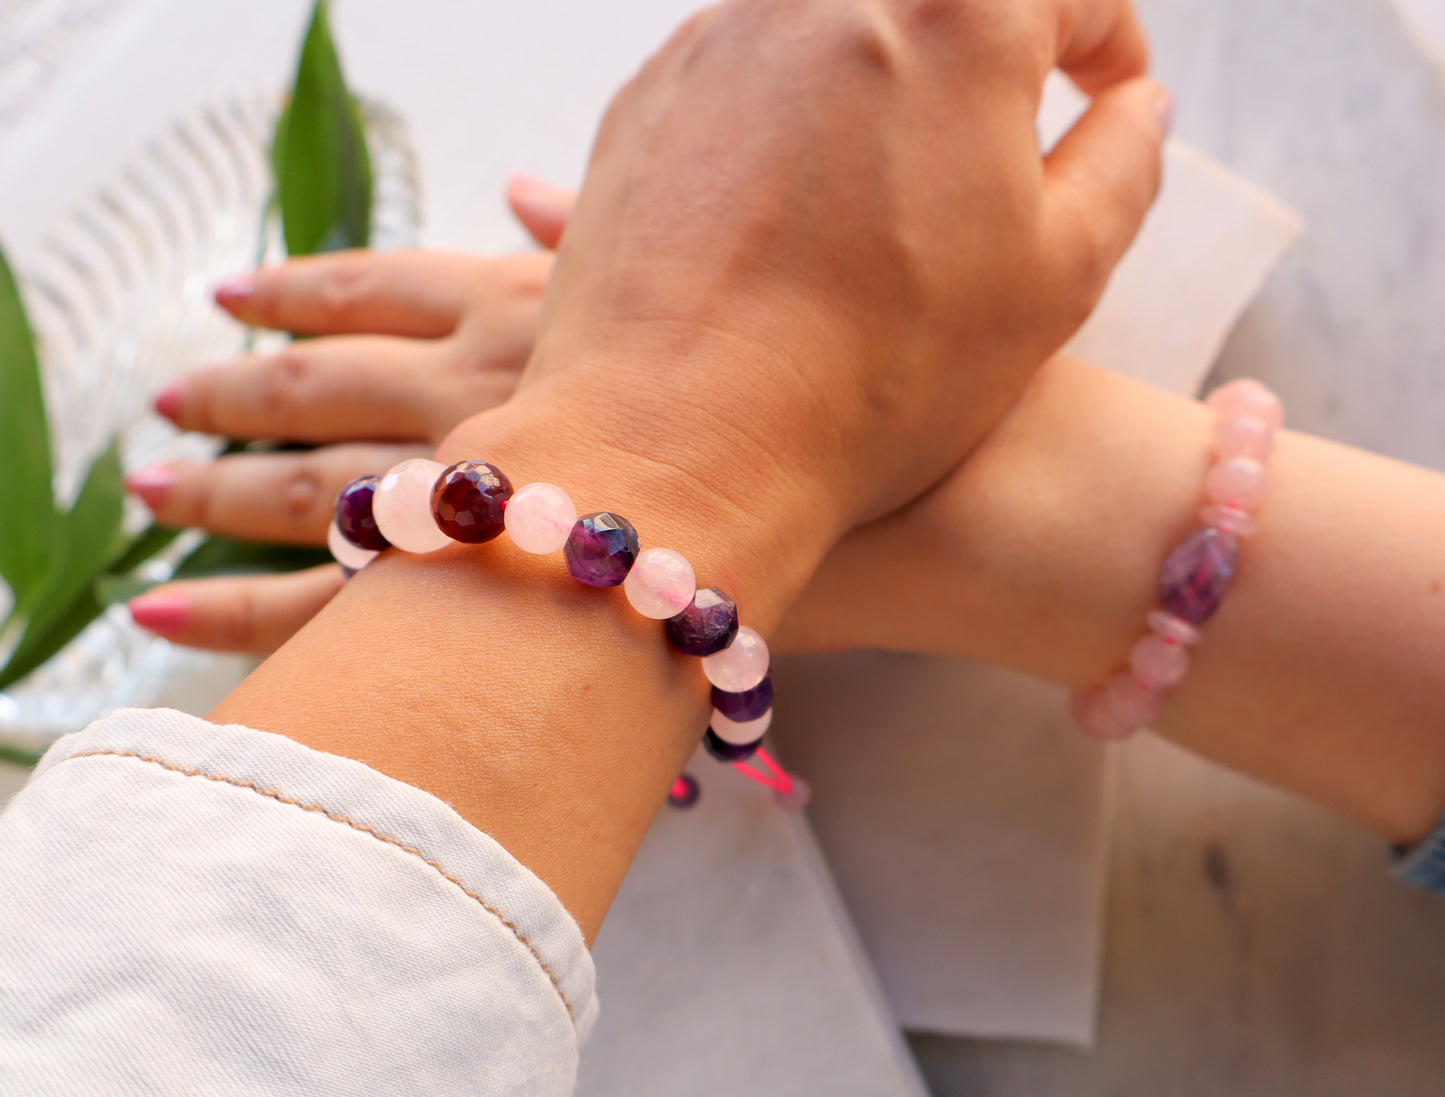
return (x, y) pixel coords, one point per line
(1197, 574)
(420, 506)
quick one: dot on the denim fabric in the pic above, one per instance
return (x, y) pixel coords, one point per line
(1424, 864)
(194, 909)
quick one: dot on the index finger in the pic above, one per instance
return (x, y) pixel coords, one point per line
(1099, 43)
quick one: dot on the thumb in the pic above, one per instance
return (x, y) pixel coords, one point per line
(1100, 181)
(542, 208)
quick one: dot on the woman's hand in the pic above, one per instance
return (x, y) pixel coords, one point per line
(409, 345)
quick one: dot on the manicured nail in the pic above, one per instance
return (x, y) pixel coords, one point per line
(169, 400)
(162, 613)
(152, 484)
(1164, 111)
(235, 291)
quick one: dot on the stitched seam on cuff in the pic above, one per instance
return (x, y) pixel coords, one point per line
(279, 797)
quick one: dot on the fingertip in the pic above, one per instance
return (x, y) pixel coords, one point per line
(170, 402)
(152, 484)
(160, 611)
(235, 294)
(542, 208)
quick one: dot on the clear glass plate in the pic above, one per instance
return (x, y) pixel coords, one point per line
(121, 302)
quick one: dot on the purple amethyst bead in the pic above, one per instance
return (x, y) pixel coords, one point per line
(745, 706)
(684, 792)
(1196, 576)
(353, 514)
(468, 500)
(724, 751)
(705, 627)
(601, 549)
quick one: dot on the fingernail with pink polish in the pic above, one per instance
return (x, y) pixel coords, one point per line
(235, 291)
(152, 484)
(162, 613)
(169, 400)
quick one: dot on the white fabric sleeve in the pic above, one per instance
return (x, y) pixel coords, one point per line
(190, 909)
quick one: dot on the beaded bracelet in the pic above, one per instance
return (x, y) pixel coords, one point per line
(1196, 576)
(420, 506)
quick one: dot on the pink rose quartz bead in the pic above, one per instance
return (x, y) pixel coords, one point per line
(1173, 628)
(661, 584)
(1158, 664)
(1240, 482)
(1093, 714)
(539, 517)
(1131, 701)
(1240, 398)
(1230, 520)
(348, 555)
(402, 506)
(741, 665)
(1244, 436)
(741, 733)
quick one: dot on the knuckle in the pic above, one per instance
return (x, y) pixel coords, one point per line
(236, 619)
(282, 375)
(302, 494)
(343, 286)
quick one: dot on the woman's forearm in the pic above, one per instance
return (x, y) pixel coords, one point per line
(551, 716)
(1322, 673)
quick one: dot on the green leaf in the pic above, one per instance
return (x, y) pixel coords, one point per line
(16, 756)
(226, 556)
(27, 506)
(319, 154)
(89, 539)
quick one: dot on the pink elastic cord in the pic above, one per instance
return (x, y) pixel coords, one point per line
(776, 778)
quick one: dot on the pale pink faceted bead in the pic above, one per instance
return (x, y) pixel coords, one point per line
(1247, 397)
(1240, 482)
(539, 517)
(348, 555)
(1092, 713)
(1244, 436)
(402, 506)
(1230, 519)
(661, 584)
(1173, 628)
(742, 732)
(741, 665)
(1158, 664)
(1131, 701)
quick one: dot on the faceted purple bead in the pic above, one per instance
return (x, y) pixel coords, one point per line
(724, 751)
(468, 500)
(353, 514)
(705, 627)
(684, 792)
(1196, 576)
(745, 706)
(601, 549)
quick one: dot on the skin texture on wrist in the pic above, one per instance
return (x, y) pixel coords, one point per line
(550, 715)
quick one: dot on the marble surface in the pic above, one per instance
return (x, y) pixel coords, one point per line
(1255, 945)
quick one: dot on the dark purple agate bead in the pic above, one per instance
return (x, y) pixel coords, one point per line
(1196, 576)
(724, 751)
(705, 627)
(684, 792)
(468, 500)
(745, 706)
(601, 549)
(353, 514)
